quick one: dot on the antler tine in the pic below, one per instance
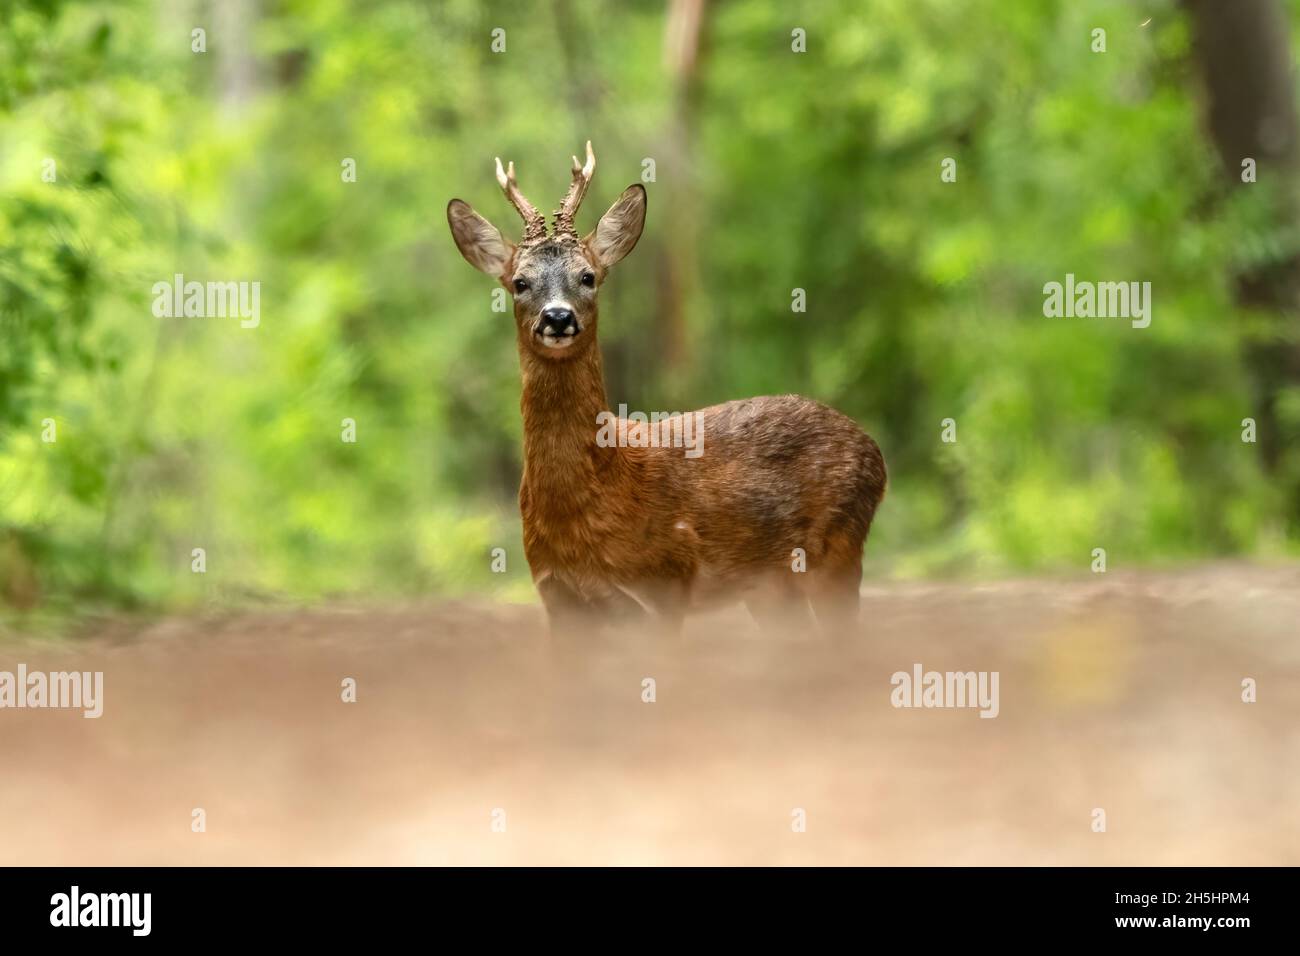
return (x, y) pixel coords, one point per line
(534, 221)
(582, 173)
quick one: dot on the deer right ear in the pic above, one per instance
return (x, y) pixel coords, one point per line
(619, 229)
(478, 240)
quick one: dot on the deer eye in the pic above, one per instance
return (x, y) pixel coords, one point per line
(589, 280)
(521, 285)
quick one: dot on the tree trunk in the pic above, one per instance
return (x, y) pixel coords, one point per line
(683, 49)
(1243, 53)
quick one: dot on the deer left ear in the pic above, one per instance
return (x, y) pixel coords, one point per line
(478, 240)
(619, 229)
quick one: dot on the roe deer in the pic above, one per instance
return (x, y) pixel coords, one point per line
(641, 527)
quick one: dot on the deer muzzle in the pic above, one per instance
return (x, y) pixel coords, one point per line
(557, 327)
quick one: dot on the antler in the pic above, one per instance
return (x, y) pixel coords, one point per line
(534, 221)
(564, 216)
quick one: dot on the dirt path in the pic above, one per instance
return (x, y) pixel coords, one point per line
(1116, 692)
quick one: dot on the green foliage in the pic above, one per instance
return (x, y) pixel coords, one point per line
(775, 170)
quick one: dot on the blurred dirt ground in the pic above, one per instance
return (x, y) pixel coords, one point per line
(1120, 692)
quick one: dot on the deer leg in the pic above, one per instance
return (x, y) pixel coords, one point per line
(669, 600)
(652, 609)
(778, 606)
(567, 613)
(570, 612)
(833, 594)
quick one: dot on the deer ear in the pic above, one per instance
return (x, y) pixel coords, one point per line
(619, 229)
(478, 240)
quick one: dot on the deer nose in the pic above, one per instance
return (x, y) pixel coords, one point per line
(559, 321)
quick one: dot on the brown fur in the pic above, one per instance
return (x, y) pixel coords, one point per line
(615, 531)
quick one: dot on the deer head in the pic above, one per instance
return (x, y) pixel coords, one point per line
(554, 278)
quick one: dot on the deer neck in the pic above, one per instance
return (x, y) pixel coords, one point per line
(564, 466)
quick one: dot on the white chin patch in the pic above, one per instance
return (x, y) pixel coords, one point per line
(557, 341)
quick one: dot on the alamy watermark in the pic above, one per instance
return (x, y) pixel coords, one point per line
(208, 300)
(55, 689)
(928, 689)
(1102, 300)
(75, 908)
(656, 430)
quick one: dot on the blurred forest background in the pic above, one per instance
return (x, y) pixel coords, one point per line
(773, 170)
